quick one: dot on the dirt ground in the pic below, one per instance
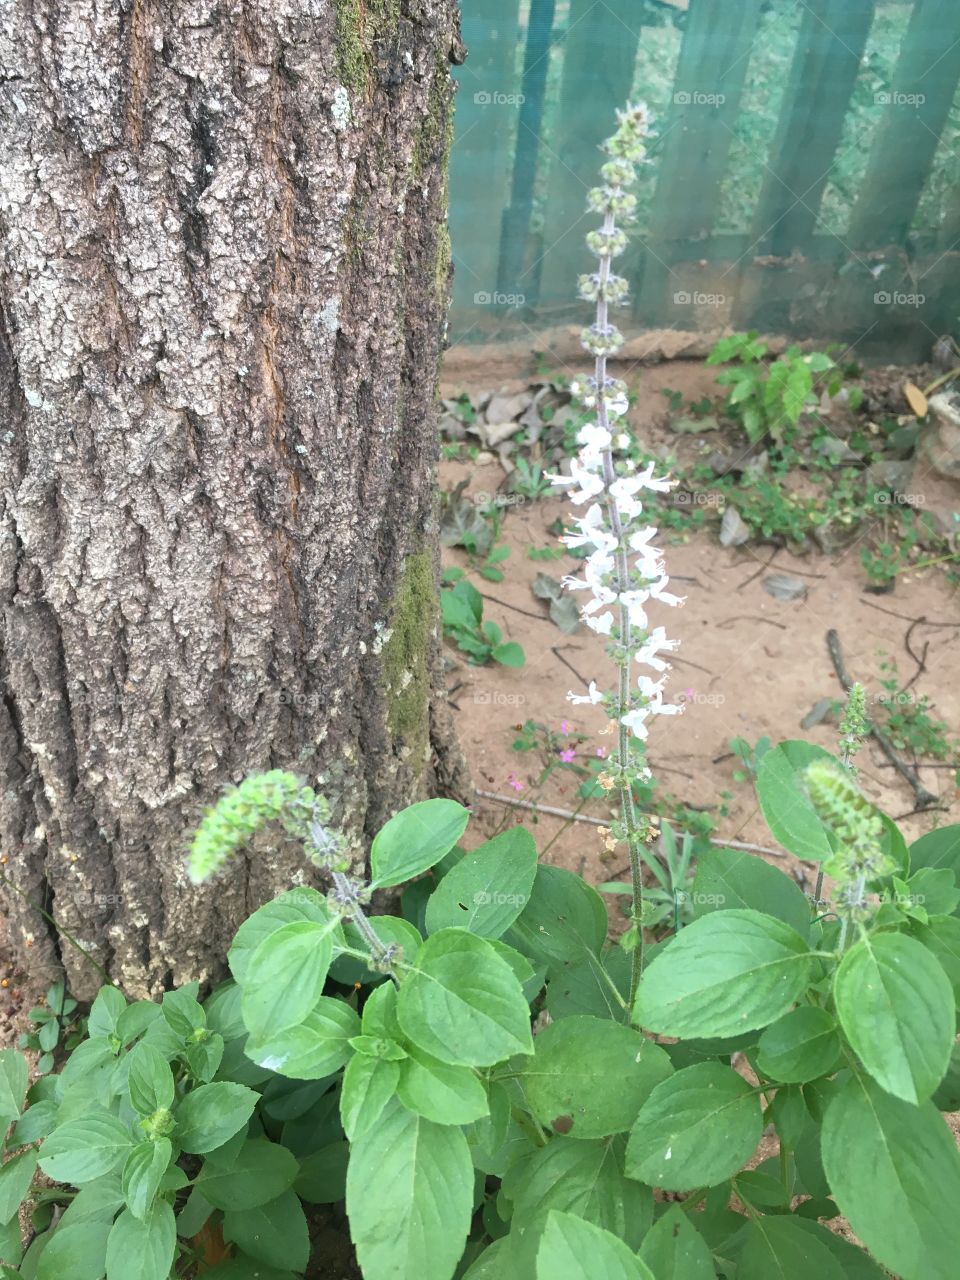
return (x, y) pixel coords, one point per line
(748, 665)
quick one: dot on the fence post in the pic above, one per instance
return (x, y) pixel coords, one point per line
(479, 158)
(599, 64)
(830, 45)
(924, 83)
(697, 135)
(512, 274)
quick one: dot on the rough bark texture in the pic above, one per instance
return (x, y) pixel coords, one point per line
(222, 288)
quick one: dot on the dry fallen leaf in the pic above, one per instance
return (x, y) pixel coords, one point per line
(915, 399)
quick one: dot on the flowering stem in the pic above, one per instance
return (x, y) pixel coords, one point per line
(622, 585)
(611, 527)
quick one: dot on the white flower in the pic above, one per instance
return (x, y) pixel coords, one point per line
(657, 592)
(652, 690)
(590, 484)
(635, 722)
(592, 696)
(655, 643)
(660, 485)
(594, 437)
(593, 531)
(601, 625)
(633, 602)
(639, 540)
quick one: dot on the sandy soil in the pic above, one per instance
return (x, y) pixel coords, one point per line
(748, 665)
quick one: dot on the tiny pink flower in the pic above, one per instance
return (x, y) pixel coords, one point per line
(564, 727)
(514, 781)
(601, 753)
(568, 755)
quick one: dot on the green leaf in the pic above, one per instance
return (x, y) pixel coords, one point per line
(489, 1265)
(14, 1074)
(695, 1130)
(135, 1019)
(378, 1047)
(98, 1201)
(294, 905)
(935, 890)
(317, 1048)
(896, 1006)
(728, 972)
(368, 1085)
(941, 936)
(323, 1174)
(76, 1252)
(730, 878)
(779, 1248)
(260, 1171)
(509, 654)
(894, 1171)
(182, 1011)
(592, 986)
(142, 1174)
(208, 1116)
(84, 1149)
(462, 1002)
(589, 1077)
(585, 1178)
(415, 839)
(462, 607)
(803, 1044)
(487, 890)
(152, 1241)
(409, 1197)
(673, 1249)
(855, 1263)
(275, 1233)
(571, 1248)
(439, 1091)
(564, 919)
(105, 1013)
(286, 976)
(15, 1179)
(39, 1120)
(937, 849)
(11, 1250)
(150, 1080)
(786, 806)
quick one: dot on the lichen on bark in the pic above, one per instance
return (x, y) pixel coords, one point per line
(406, 670)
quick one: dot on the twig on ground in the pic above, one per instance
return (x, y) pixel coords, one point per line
(568, 664)
(749, 617)
(925, 799)
(556, 812)
(920, 660)
(505, 604)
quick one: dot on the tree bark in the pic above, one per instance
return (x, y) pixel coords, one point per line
(223, 284)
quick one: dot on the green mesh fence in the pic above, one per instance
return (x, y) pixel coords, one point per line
(804, 171)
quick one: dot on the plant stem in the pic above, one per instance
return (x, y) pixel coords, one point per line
(858, 891)
(347, 891)
(628, 810)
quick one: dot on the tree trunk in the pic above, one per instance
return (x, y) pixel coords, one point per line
(222, 296)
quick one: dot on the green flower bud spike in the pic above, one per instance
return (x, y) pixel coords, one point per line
(237, 817)
(854, 726)
(859, 831)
